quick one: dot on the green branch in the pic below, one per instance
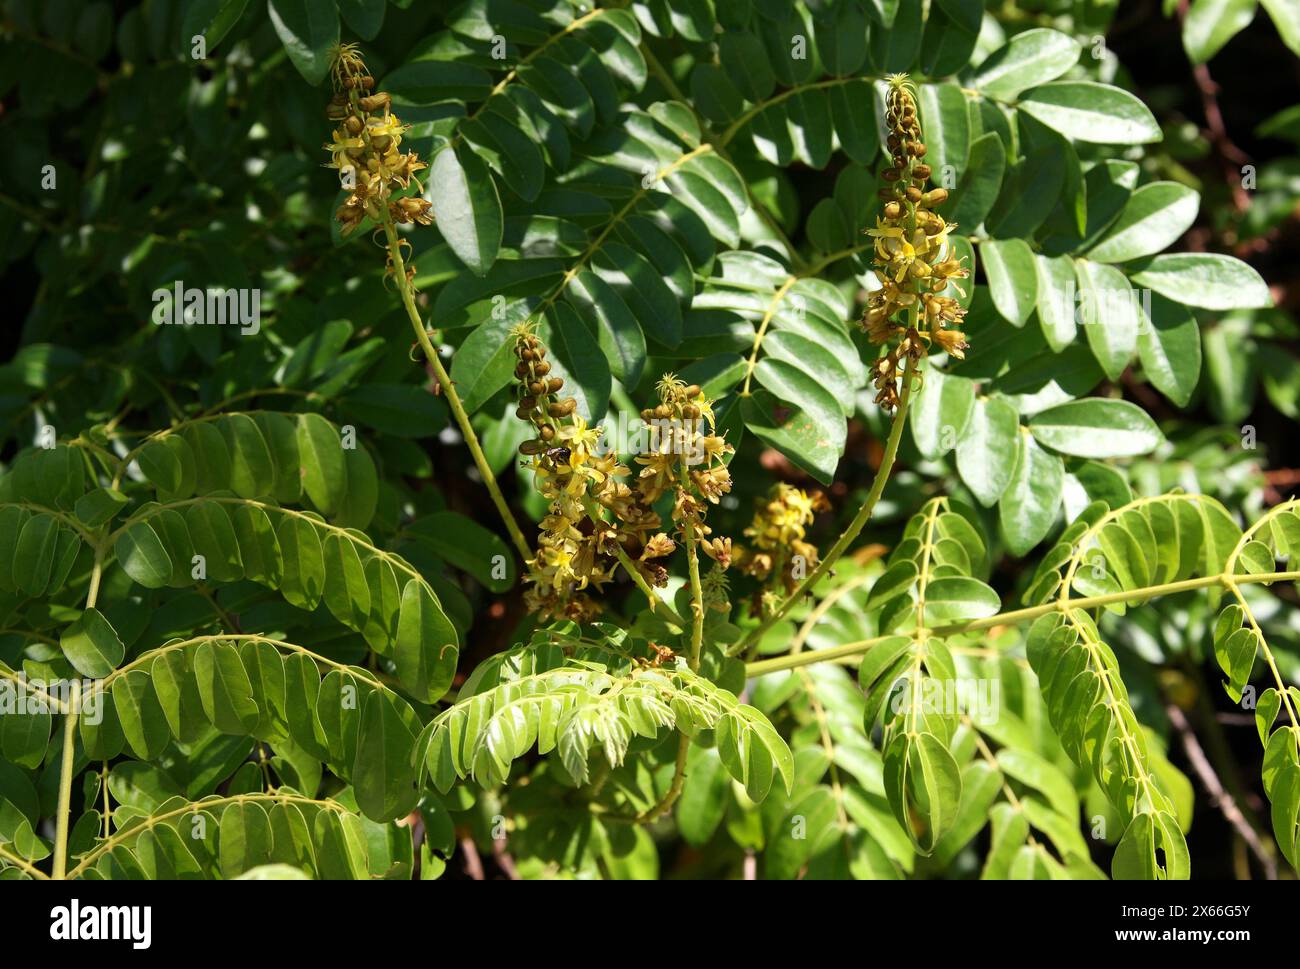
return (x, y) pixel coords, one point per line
(855, 527)
(449, 390)
(1016, 617)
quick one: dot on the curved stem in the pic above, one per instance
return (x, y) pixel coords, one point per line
(762, 330)
(449, 390)
(855, 527)
(1015, 617)
(674, 788)
(697, 598)
(697, 646)
(656, 603)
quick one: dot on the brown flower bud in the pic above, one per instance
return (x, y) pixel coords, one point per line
(562, 408)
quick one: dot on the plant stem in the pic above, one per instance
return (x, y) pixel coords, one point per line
(449, 390)
(697, 589)
(63, 812)
(1015, 617)
(674, 788)
(855, 527)
(656, 604)
(697, 646)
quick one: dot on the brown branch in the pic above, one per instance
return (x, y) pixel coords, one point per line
(1219, 797)
(473, 863)
(503, 859)
(1231, 156)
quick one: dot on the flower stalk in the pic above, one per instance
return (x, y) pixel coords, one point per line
(909, 314)
(364, 150)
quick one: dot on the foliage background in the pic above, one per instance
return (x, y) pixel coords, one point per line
(210, 172)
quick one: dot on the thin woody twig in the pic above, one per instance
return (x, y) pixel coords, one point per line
(1219, 796)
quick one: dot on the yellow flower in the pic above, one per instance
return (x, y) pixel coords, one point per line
(339, 147)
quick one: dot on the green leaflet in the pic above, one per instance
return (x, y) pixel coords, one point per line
(1096, 428)
(307, 28)
(466, 207)
(1092, 112)
(924, 784)
(91, 645)
(426, 649)
(990, 433)
(1029, 58)
(383, 775)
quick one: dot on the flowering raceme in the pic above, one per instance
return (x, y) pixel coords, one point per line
(913, 255)
(365, 150)
(777, 532)
(576, 547)
(597, 510)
